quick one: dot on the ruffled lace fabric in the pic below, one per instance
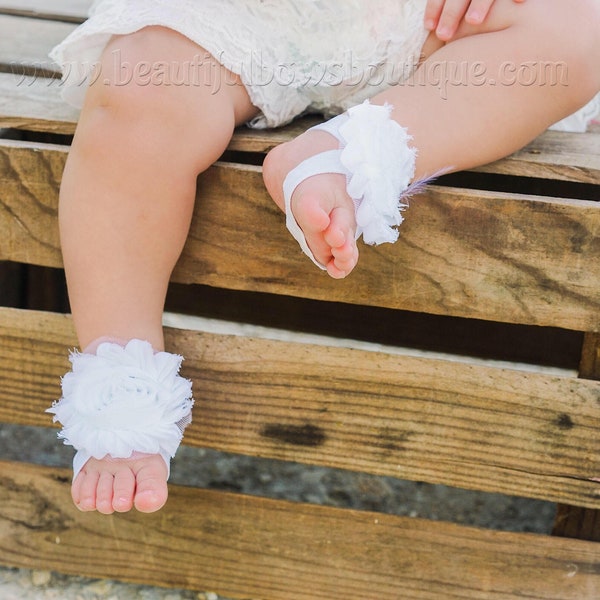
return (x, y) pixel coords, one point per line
(123, 400)
(380, 165)
(293, 56)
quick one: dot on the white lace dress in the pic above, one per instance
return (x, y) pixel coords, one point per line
(293, 56)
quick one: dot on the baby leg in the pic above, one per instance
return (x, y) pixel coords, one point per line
(481, 96)
(126, 202)
(498, 85)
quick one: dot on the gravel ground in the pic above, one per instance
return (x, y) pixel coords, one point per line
(274, 479)
(21, 584)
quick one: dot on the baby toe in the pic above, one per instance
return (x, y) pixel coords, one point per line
(310, 216)
(346, 257)
(346, 266)
(83, 490)
(104, 493)
(334, 271)
(151, 498)
(123, 490)
(341, 228)
(151, 486)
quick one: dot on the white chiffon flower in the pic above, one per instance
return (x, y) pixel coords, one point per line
(381, 166)
(124, 399)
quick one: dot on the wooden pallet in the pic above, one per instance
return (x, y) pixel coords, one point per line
(503, 256)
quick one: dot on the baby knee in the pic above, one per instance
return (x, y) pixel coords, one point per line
(124, 94)
(132, 80)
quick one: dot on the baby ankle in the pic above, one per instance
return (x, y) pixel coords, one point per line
(93, 345)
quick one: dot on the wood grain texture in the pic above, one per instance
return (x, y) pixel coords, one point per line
(589, 367)
(62, 10)
(555, 155)
(465, 253)
(26, 42)
(475, 254)
(30, 178)
(461, 424)
(34, 104)
(245, 547)
(575, 521)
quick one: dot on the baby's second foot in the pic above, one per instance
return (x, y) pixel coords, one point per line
(320, 204)
(118, 484)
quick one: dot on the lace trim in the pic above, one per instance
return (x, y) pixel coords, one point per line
(292, 55)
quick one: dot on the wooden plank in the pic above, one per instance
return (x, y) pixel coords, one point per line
(29, 202)
(475, 254)
(461, 424)
(25, 44)
(245, 547)
(34, 104)
(63, 10)
(590, 357)
(575, 521)
(554, 155)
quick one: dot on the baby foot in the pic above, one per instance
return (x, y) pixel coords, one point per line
(118, 484)
(320, 204)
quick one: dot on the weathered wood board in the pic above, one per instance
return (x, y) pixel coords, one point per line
(246, 547)
(461, 424)
(467, 253)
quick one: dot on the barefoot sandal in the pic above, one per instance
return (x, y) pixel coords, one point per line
(123, 400)
(378, 163)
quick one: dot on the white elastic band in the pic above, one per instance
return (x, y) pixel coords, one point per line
(324, 162)
(379, 165)
(123, 400)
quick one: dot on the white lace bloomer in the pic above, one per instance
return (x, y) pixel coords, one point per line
(293, 56)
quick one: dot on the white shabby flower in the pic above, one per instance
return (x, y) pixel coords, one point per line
(124, 399)
(381, 166)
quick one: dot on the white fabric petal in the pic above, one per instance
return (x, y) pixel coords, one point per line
(122, 400)
(381, 165)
